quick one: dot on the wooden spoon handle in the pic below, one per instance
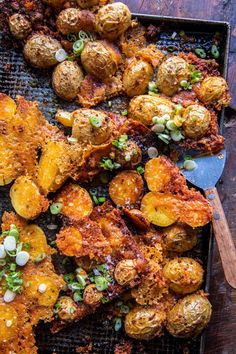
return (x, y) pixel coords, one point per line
(223, 237)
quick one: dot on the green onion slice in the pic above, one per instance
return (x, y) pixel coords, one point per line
(78, 47)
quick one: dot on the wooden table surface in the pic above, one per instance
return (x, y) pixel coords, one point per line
(221, 334)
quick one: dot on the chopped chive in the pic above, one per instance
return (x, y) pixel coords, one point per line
(200, 52)
(140, 170)
(56, 208)
(215, 52)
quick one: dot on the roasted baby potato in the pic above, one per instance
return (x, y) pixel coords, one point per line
(70, 241)
(112, 20)
(40, 50)
(144, 323)
(143, 108)
(42, 289)
(66, 80)
(26, 198)
(126, 188)
(76, 202)
(66, 308)
(189, 316)
(72, 20)
(35, 237)
(170, 74)
(179, 238)
(91, 126)
(87, 3)
(137, 218)
(196, 121)
(125, 272)
(20, 27)
(159, 208)
(184, 275)
(100, 59)
(129, 156)
(92, 296)
(214, 90)
(136, 77)
(8, 315)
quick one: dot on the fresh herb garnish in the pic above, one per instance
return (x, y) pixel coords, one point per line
(107, 164)
(121, 142)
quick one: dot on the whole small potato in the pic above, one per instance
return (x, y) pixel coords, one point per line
(184, 275)
(196, 121)
(189, 316)
(92, 296)
(66, 80)
(144, 322)
(125, 272)
(20, 27)
(179, 238)
(73, 20)
(54, 3)
(214, 90)
(100, 59)
(130, 156)
(87, 3)
(40, 51)
(67, 309)
(112, 20)
(136, 77)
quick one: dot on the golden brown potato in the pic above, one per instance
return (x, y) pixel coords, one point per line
(20, 27)
(69, 241)
(72, 20)
(65, 118)
(215, 91)
(189, 316)
(112, 20)
(67, 309)
(126, 188)
(40, 50)
(91, 126)
(42, 289)
(136, 77)
(125, 272)
(36, 238)
(184, 275)
(137, 218)
(170, 73)
(26, 198)
(143, 108)
(76, 202)
(66, 80)
(8, 315)
(92, 296)
(129, 156)
(100, 59)
(144, 323)
(54, 3)
(179, 238)
(196, 122)
(159, 208)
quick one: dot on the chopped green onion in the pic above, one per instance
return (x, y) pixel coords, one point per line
(77, 296)
(185, 85)
(101, 283)
(69, 278)
(164, 137)
(5, 233)
(189, 165)
(121, 142)
(72, 140)
(81, 280)
(124, 309)
(96, 121)
(187, 157)
(118, 324)
(56, 208)
(152, 86)
(158, 128)
(104, 300)
(215, 52)
(40, 257)
(108, 164)
(170, 125)
(124, 112)
(176, 135)
(101, 199)
(13, 267)
(181, 33)
(200, 52)
(3, 262)
(78, 47)
(158, 120)
(26, 246)
(95, 199)
(140, 170)
(171, 48)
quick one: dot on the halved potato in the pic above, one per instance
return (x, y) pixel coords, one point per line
(69, 241)
(41, 288)
(126, 188)
(196, 211)
(26, 198)
(8, 315)
(159, 209)
(36, 238)
(76, 202)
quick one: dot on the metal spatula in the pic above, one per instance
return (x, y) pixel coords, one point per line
(205, 176)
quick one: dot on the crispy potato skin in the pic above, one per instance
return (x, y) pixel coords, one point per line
(26, 198)
(184, 275)
(73, 20)
(66, 80)
(136, 77)
(100, 59)
(179, 238)
(197, 120)
(189, 316)
(76, 202)
(112, 20)
(144, 323)
(126, 188)
(40, 51)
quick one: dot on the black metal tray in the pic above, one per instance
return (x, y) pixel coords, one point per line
(17, 78)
